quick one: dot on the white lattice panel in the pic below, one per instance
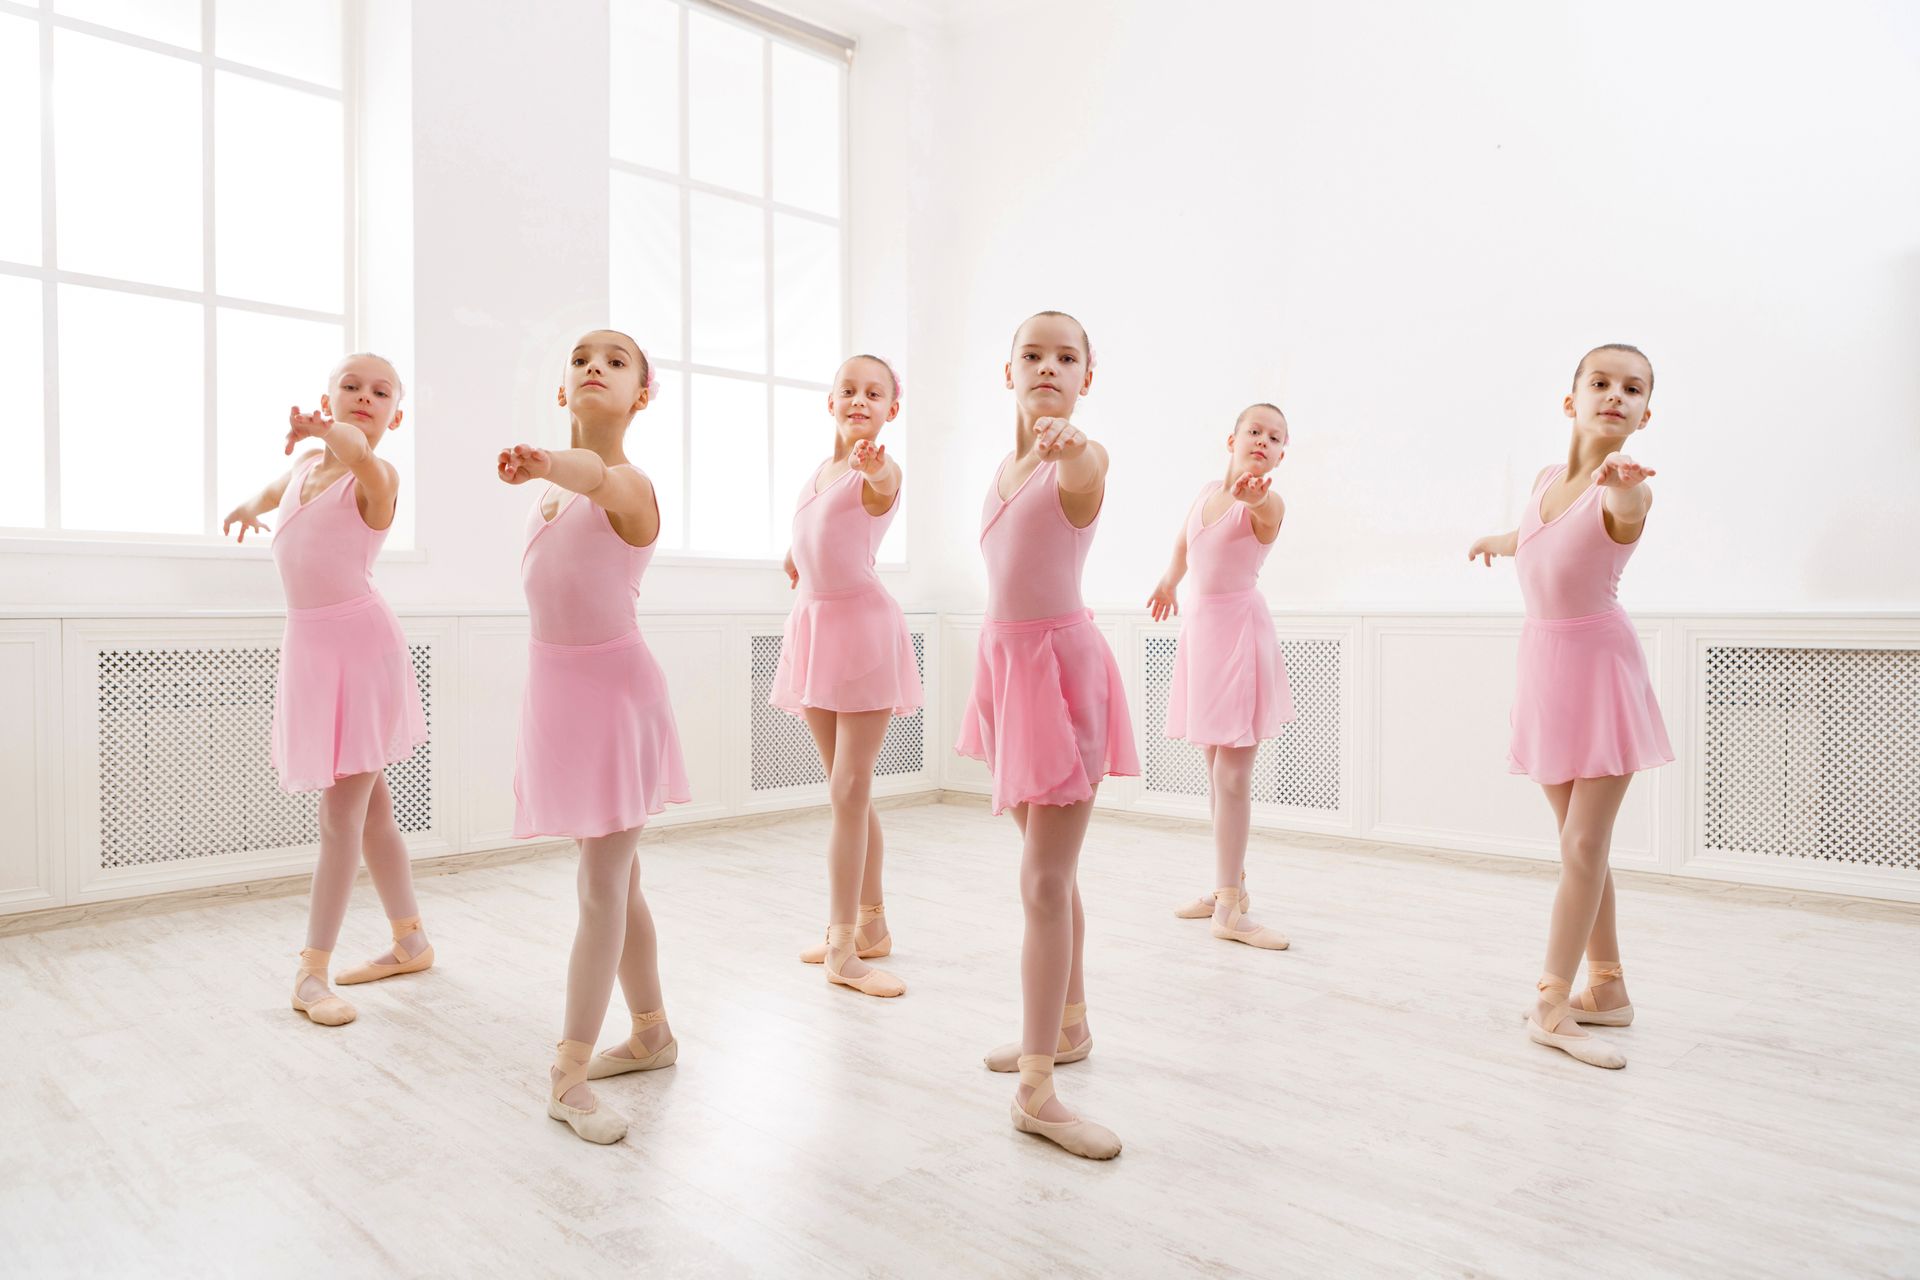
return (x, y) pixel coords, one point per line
(183, 738)
(781, 752)
(1813, 754)
(1301, 769)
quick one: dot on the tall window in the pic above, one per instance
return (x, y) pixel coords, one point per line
(176, 253)
(728, 264)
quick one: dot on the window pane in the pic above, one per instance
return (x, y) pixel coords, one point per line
(294, 37)
(132, 427)
(729, 284)
(645, 66)
(23, 481)
(725, 103)
(645, 262)
(729, 499)
(802, 440)
(277, 194)
(119, 168)
(806, 130)
(655, 443)
(20, 139)
(174, 21)
(806, 298)
(266, 364)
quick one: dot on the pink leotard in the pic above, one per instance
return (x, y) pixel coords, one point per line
(1033, 552)
(581, 577)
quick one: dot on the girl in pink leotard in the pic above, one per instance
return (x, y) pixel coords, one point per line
(1584, 715)
(1229, 679)
(846, 661)
(1048, 714)
(598, 750)
(345, 702)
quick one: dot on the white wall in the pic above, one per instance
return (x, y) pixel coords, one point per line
(1404, 223)
(1401, 221)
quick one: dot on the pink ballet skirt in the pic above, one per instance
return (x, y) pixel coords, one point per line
(346, 701)
(1584, 706)
(1048, 713)
(1229, 680)
(598, 750)
(847, 651)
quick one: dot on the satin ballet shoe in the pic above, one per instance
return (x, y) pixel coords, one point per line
(329, 1010)
(1587, 1010)
(1258, 936)
(1007, 1056)
(643, 1059)
(1201, 908)
(596, 1123)
(874, 982)
(1080, 1137)
(1583, 1048)
(817, 953)
(378, 969)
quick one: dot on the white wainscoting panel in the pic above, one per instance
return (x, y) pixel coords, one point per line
(32, 869)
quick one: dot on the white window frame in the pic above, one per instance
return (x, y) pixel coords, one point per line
(49, 537)
(815, 42)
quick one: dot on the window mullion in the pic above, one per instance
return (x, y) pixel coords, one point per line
(685, 186)
(53, 279)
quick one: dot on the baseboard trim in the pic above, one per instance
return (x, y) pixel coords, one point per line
(1827, 903)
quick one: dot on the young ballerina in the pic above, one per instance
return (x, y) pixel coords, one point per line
(1584, 715)
(345, 703)
(846, 662)
(598, 749)
(1229, 681)
(1048, 714)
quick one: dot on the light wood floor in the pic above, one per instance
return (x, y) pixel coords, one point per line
(1365, 1104)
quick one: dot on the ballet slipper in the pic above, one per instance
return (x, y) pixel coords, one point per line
(1081, 1137)
(643, 1059)
(1007, 1056)
(1587, 1010)
(817, 953)
(874, 982)
(329, 1010)
(1258, 936)
(378, 970)
(1583, 1048)
(1201, 908)
(596, 1123)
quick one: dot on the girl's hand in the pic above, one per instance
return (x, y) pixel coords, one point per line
(1060, 440)
(244, 518)
(793, 572)
(306, 426)
(1489, 547)
(868, 458)
(524, 462)
(1618, 471)
(1162, 604)
(1251, 489)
